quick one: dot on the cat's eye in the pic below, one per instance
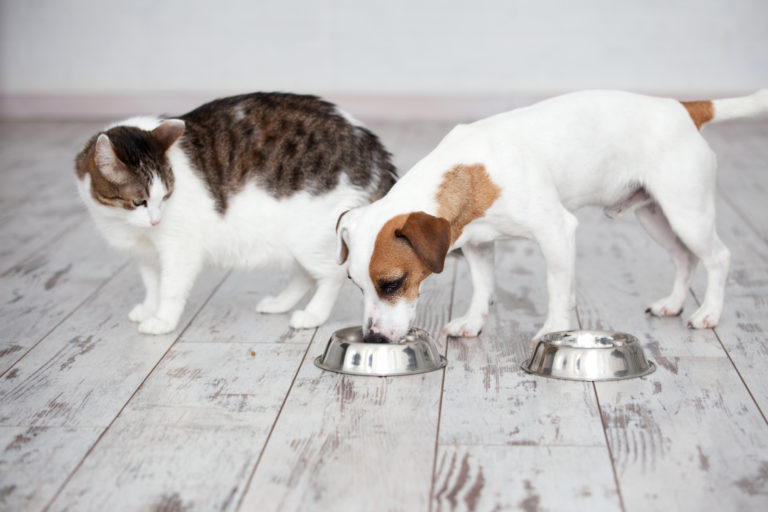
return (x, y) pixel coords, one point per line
(389, 287)
(139, 202)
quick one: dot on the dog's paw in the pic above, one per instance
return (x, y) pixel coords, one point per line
(140, 312)
(272, 305)
(664, 307)
(304, 320)
(555, 327)
(703, 320)
(464, 327)
(156, 325)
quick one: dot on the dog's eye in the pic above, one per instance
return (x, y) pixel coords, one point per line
(389, 287)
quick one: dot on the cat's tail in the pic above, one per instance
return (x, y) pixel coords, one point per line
(714, 111)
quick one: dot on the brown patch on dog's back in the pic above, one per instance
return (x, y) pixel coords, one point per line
(465, 194)
(701, 112)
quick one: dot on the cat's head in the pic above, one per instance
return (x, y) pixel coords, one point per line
(126, 171)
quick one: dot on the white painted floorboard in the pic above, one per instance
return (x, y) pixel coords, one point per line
(229, 413)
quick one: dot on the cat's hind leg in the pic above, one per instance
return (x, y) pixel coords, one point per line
(297, 288)
(321, 304)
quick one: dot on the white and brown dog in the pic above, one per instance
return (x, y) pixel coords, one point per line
(521, 174)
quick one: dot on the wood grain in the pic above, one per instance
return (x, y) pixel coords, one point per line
(230, 315)
(527, 478)
(352, 443)
(508, 405)
(680, 429)
(228, 413)
(501, 429)
(82, 375)
(34, 461)
(197, 423)
(38, 293)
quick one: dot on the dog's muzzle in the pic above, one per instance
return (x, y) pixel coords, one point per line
(371, 334)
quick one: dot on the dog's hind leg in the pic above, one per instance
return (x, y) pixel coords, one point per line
(480, 260)
(703, 241)
(656, 224)
(692, 218)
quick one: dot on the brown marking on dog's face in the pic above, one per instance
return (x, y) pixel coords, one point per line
(408, 248)
(701, 112)
(465, 194)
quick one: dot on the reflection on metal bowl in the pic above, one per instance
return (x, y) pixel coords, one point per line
(347, 353)
(588, 355)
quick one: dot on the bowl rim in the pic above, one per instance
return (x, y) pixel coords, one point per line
(552, 338)
(524, 366)
(441, 364)
(424, 338)
(548, 340)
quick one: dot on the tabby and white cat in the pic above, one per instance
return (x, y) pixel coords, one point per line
(240, 182)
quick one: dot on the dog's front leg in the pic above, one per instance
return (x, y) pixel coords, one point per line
(558, 246)
(480, 260)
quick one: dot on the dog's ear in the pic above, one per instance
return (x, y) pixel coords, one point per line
(342, 236)
(430, 238)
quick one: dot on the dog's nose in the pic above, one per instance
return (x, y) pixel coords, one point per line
(375, 337)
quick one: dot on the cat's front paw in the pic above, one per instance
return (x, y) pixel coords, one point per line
(156, 325)
(140, 312)
(304, 320)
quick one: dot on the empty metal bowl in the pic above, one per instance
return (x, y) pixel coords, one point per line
(588, 355)
(347, 353)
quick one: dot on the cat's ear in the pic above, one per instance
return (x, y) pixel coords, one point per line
(107, 162)
(168, 132)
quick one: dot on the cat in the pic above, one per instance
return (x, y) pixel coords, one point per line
(241, 182)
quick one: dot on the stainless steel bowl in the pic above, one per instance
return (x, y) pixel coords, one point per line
(347, 353)
(588, 355)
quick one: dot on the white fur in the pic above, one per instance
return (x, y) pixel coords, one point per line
(549, 159)
(257, 230)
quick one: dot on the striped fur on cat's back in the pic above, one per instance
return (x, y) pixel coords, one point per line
(246, 181)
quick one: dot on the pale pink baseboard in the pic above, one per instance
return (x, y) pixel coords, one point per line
(363, 107)
(99, 107)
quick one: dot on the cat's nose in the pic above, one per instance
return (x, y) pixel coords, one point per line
(155, 222)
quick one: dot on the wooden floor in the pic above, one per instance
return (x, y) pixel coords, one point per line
(229, 413)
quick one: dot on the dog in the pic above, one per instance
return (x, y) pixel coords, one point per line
(522, 174)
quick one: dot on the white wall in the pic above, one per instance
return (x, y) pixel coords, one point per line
(430, 47)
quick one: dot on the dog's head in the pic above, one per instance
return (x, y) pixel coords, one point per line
(388, 259)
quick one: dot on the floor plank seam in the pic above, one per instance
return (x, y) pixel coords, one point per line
(66, 317)
(610, 451)
(605, 430)
(274, 423)
(733, 363)
(128, 401)
(440, 402)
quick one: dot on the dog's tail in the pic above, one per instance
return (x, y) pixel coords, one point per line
(713, 111)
